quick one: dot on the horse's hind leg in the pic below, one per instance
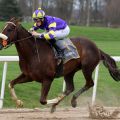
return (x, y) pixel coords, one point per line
(87, 71)
(20, 79)
(69, 88)
(69, 83)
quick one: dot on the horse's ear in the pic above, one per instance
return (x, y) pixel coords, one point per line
(12, 19)
(15, 20)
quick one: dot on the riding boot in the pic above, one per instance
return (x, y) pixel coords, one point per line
(59, 51)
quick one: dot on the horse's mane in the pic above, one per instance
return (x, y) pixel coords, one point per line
(17, 22)
(40, 39)
(25, 30)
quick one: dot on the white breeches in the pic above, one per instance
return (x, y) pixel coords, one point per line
(60, 34)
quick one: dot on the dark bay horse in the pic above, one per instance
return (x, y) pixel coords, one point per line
(38, 63)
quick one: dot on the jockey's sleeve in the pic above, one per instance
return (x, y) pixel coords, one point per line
(51, 33)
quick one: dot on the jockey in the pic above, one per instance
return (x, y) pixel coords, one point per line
(56, 29)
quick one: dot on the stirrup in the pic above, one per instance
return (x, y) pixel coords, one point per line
(61, 54)
(59, 61)
(59, 58)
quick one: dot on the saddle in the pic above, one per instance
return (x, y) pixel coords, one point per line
(70, 52)
(69, 49)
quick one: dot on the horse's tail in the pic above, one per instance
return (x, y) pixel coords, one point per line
(111, 65)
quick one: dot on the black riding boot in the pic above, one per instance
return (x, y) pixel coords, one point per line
(59, 51)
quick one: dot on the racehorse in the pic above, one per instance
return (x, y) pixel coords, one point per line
(37, 63)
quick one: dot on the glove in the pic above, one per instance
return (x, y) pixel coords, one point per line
(31, 30)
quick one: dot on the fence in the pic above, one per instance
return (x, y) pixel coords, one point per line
(7, 59)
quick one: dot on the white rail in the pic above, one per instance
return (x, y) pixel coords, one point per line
(117, 59)
(7, 59)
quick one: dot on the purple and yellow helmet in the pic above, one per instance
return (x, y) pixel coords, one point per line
(38, 14)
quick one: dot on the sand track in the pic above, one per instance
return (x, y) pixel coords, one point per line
(44, 114)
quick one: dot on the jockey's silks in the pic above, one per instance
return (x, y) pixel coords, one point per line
(51, 24)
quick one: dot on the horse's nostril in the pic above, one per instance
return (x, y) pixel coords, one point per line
(1, 46)
(0, 40)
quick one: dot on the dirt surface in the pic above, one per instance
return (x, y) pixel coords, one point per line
(44, 114)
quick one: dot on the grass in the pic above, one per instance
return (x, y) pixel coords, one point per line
(108, 90)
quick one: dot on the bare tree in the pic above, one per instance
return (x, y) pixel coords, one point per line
(112, 12)
(87, 12)
(88, 3)
(81, 11)
(35, 4)
(64, 9)
(26, 7)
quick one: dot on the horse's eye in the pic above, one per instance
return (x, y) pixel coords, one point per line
(9, 30)
(12, 27)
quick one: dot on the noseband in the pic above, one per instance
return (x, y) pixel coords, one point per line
(14, 34)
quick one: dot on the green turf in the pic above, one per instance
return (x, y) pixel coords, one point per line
(108, 90)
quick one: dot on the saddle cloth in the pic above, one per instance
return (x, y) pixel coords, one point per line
(70, 51)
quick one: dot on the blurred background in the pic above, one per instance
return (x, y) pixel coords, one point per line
(75, 12)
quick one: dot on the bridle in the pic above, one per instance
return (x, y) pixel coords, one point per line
(14, 35)
(22, 40)
(11, 23)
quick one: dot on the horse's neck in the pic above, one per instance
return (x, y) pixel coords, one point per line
(28, 48)
(25, 47)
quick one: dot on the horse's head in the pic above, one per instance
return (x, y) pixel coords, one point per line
(9, 33)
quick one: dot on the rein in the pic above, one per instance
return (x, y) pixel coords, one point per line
(19, 40)
(14, 35)
(22, 39)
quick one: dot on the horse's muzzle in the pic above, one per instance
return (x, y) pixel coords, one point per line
(3, 40)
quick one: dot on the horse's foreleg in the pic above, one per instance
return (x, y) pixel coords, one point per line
(21, 79)
(69, 88)
(44, 91)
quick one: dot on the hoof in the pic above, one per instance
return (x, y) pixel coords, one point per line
(9, 86)
(74, 102)
(43, 102)
(53, 109)
(19, 103)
